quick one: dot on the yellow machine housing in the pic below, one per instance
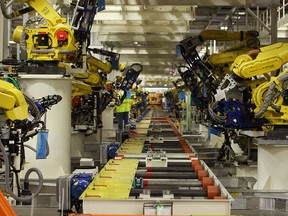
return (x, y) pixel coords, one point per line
(43, 44)
(13, 102)
(80, 88)
(53, 41)
(268, 59)
(221, 61)
(259, 94)
(92, 76)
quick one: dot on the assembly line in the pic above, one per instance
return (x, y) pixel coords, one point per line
(81, 124)
(162, 171)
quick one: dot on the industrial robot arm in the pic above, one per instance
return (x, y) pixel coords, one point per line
(17, 129)
(42, 7)
(13, 102)
(215, 64)
(254, 90)
(266, 59)
(55, 40)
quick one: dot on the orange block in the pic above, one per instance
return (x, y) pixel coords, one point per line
(5, 208)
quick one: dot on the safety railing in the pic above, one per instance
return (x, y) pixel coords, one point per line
(282, 9)
(265, 16)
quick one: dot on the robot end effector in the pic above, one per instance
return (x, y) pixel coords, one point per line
(14, 103)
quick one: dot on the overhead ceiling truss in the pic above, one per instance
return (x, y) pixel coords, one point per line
(148, 31)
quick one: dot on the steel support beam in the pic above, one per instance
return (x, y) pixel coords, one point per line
(228, 16)
(139, 29)
(159, 8)
(144, 15)
(167, 38)
(152, 56)
(6, 38)
(212, 18)
(274, 22)
(188, 2)
(141, 22)
(149, 63)
(144, 51)
(1, 36)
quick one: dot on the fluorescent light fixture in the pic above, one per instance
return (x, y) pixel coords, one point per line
(241, 13)
(236, 17)
(224, 28)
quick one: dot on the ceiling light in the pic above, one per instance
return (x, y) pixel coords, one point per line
(241, 13)
(224, 28)
(135, 42)
(236, 17)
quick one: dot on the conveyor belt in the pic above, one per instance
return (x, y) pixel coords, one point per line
(114, 180)
(210, 192)
(167, 169)
(179, 174)
(162, 125)
(162, 133)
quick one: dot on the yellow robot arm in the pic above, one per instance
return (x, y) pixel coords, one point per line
(53, 41)
(12, 102)
(92, 76)
(45, 10)
(221, 35)
(42, 7)
(270, 99)
(79, 88)
(188, 45)
(270, 58)
(221, 61)
(95, 64)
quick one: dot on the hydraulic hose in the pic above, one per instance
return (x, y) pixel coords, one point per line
(34, 150)
(34, 107)
(274, 106)
(29, 22)
(270, 96)
(214, 116)
(31, 148)
(26, 179)
(13, 14)
(4, 10)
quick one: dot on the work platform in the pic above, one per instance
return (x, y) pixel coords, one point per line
(156, 172)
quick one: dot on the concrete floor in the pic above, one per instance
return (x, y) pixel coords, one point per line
(25, 211)
(257, 212)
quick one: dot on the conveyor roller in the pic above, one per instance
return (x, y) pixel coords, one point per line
(167, 169)
(210, 192)
(166, 175)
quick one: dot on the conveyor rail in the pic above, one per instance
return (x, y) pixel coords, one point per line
(185, 176)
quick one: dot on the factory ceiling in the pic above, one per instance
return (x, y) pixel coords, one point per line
(147, 31)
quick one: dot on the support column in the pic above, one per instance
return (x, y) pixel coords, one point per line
(58, 123)
(272, 164)
(188, 111)
(1, 36)
(6, 37)
(274, 21)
